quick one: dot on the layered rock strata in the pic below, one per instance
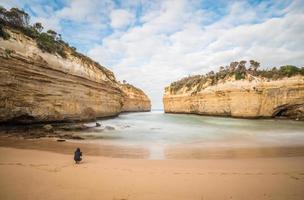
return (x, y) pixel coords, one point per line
(247, 98)
(37, 86)
(134, 99)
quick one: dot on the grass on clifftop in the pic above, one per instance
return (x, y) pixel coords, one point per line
(48, 41)
(237, 71)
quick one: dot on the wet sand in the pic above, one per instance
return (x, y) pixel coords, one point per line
(44, 169)
(69, 146)
(181, 152)
(184, 153)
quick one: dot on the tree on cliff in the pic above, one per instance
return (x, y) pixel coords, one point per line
(52, 33)
(2, 12)
(38, 26)
(233, 66)
(242, 66)
(254, 65)
(14, 17)
(17, 19)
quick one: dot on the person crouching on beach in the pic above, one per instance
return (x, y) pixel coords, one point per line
(77, 156)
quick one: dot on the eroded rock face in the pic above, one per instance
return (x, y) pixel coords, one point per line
(243, 98)
(134, 99)
(40, 87)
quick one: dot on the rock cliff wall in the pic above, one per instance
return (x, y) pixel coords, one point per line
(240, 98)
(134, 99)
(36, 86)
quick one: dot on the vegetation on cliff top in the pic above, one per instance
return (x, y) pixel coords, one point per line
(238, 71)
(48, 41)
(19, 20)
(128, 86)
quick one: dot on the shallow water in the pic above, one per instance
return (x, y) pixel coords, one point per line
(156, 131)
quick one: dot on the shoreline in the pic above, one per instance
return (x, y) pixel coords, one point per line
(169, 152)
(10, 124)
(234, 117)
(68, 147)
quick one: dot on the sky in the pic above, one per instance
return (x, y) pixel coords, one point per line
(153, 43)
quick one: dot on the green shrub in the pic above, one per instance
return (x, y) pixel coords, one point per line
(302, 71)
(238, 75)
(4, 34)
(8, 52)
(31, 32)
(267, 74)
(47, 43)
(289, 70)
(61, 52)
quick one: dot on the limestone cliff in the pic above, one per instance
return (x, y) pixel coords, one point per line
(134, 99)
(37, 86)
(249, 97)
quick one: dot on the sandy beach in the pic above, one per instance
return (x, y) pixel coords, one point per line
(50, 174)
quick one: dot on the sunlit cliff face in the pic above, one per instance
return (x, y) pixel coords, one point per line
(42, 87)
(134, 99)
(240, 98)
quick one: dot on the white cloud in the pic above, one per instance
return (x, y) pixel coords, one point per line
(153, 43)
(173, 41)
(93, 11)
(121, 18)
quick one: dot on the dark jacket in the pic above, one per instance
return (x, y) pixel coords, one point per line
(77, 155)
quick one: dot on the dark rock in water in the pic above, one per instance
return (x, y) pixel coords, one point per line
(70, 136)
(57, 130)
(48, 127)
(61, 140)
(73, 127)
(109, 128)
(98, 124)
(75, 137)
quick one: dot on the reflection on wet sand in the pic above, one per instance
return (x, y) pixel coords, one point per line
(157, 152)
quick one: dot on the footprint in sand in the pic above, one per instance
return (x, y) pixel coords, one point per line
(294, 177)
(20, 164)
(38, 165)
(48, 168)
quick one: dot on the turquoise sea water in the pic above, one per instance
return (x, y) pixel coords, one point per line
(156, 130)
